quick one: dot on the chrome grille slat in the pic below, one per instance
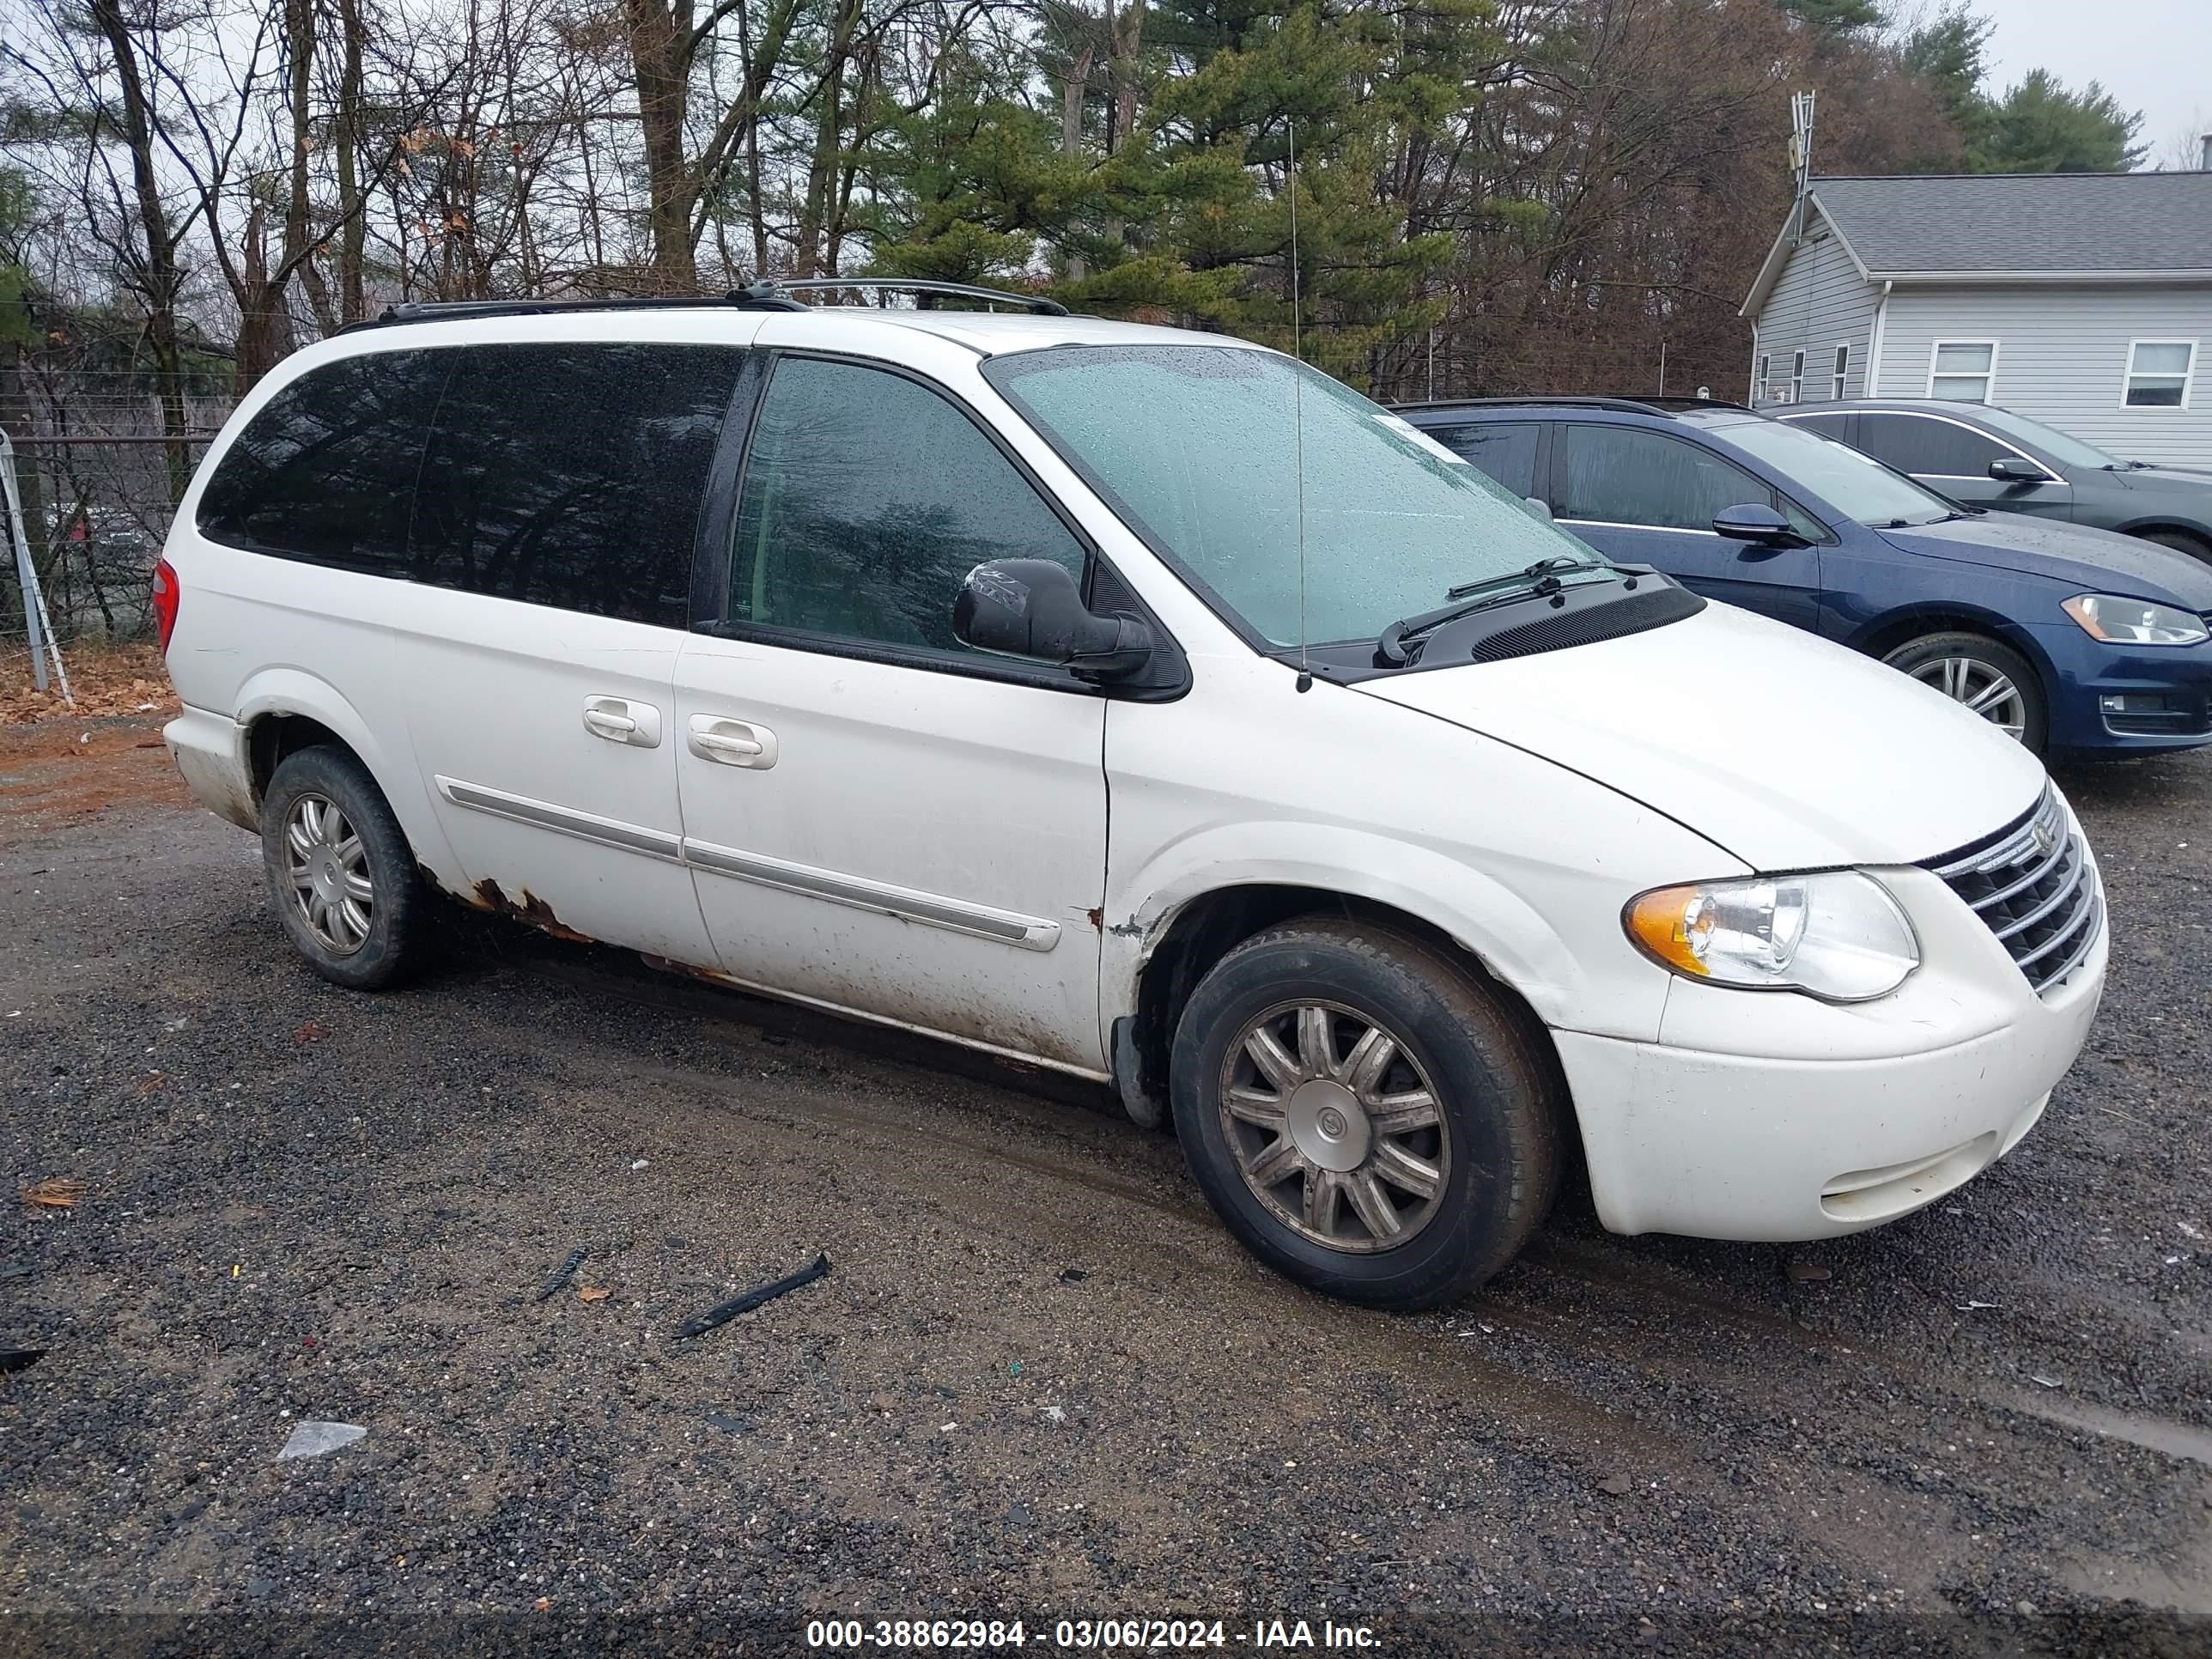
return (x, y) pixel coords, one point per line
(2074, 957)
(2073, 882)
(2035, 889)
(2064, 847)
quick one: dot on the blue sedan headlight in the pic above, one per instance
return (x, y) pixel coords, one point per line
(2135, 622)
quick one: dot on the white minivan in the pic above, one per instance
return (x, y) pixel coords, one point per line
(1142, 704)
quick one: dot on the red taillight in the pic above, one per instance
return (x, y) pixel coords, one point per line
(165, 594)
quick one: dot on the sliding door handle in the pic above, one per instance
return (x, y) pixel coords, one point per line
(733, 743)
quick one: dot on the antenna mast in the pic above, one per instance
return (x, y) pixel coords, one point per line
(1801, 158)
(1298, 415)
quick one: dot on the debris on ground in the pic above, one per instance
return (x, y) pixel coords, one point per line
(2043, 1382)
(1072, 1275)
(19, 1360)
(2188, 1231)
(1806, 1273)
(1618, 1485)
(1054, 1414)
(313, 1032)
(722, 1313)
(593, 1293)
(150, 1082)
(726, 1422)
(312, 1438)
(561, 1275)
(55, 1192)
(178, 1024)
(1974, 1307)
(637, 1165)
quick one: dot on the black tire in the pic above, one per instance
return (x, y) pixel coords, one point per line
(393, 942)
(2180, 541)
(1932, 648)
(1501, 1108)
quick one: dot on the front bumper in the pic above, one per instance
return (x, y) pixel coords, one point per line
(2163, 693)
(1772, 1116)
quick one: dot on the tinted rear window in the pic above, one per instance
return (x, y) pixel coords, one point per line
(326, 470)
(1505, 451)
(571, 476)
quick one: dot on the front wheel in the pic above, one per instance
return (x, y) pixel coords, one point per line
(2180, 541)
(340, 872)
(1991, 680)
(1368, 1118)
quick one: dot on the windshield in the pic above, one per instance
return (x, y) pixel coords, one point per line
(1857, 486)
(1197, 447)
(2066, 451)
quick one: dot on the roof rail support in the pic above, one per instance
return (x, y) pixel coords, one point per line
(769, 287)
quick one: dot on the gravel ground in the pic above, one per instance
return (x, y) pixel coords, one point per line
(1039, 1383)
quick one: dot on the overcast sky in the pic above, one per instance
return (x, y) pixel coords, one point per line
(2151, 55)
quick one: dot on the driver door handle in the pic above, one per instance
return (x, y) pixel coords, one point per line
(733, 743)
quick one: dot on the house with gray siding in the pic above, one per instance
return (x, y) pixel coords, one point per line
(2081, 298)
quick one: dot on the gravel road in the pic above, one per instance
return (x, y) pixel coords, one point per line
(1040, 1381)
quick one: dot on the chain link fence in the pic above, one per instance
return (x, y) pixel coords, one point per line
(99, 467)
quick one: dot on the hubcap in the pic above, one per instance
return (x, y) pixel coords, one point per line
(1335, 1127)
(329, 869)
(1982, 688)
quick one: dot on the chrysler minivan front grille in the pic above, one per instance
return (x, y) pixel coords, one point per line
(2035, 887)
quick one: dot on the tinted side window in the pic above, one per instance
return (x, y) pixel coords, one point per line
(1838, 426)
(867, 499)
(1507, 451)
(571, 475)
(1620, 475)
(1914, 443)
(326, 470)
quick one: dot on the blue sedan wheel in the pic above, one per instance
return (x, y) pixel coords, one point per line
(1993, 680)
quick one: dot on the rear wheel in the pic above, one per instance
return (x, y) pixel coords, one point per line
(340, 872)
(1368, 1118)
(1992, 680)
(2180, 541)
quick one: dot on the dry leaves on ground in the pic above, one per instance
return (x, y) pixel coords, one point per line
(55, 1192)
(108, 680)
(592, 1293)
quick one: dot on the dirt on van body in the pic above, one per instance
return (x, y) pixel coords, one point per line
(1039, 1382)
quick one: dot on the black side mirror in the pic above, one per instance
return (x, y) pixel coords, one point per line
(2010, 469)
(1030, 608)
(1756, 522)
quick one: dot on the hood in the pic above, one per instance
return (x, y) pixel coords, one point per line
(2088, 560)
(2192, 481)
(1789, 752)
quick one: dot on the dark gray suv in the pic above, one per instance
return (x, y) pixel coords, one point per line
(1994, 458)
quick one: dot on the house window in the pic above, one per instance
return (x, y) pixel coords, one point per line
(1963, 370)
(1843, 373)
(2159, 372)
(1763, 390)
(1797, 377)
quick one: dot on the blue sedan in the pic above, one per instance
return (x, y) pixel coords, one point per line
(2078, 641)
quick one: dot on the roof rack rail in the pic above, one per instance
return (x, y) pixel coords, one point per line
(769, 287)
(765, 294)
(1658, 405)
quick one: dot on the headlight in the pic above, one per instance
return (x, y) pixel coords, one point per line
(2135, 622)
(1838, 936)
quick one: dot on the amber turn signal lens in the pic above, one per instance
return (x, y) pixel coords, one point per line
(1667, 922)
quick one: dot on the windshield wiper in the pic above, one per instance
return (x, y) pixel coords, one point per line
(1540, 568)
(1537, 580)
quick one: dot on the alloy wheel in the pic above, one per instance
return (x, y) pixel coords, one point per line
(1985, 689)
(1335, 1127)
(328, 865)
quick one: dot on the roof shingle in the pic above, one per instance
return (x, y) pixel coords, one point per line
(1997, 221)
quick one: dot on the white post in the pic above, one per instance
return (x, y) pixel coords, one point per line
(36, 622)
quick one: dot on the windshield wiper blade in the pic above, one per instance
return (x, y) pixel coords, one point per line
(1542, 568)
(1538, 580)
